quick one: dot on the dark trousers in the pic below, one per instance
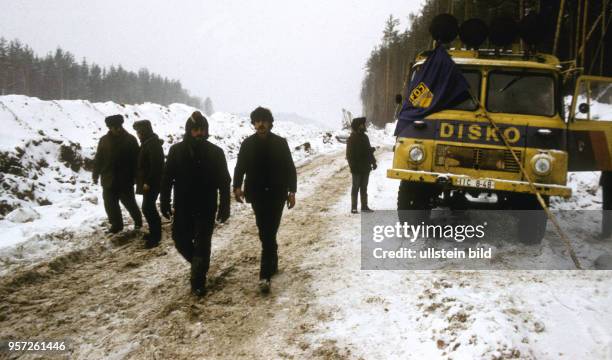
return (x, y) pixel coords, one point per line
(112, 197)
(149, 210)
(192, 234)
(268, 208)
(360, 186)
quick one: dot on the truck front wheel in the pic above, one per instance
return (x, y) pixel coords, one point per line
(532, 219)
(414, 202)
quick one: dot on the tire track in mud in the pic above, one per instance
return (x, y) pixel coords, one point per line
(128, 301)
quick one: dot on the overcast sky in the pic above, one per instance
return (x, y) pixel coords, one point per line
(305, 57)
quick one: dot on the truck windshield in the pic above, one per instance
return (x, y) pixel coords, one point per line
(521, 93)
(473, 79)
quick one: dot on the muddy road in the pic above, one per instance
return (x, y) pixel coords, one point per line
(124, 301)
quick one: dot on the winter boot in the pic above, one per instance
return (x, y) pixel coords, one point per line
(364, 205)
(150, 244)
(114, 230)
(152, 239)
(264, 286)
(198, 278)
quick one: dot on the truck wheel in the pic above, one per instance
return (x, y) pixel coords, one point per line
(532, 224)
(413, 202)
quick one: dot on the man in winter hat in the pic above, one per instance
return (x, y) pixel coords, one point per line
(148, 178)
(197, 170)
(115, 162)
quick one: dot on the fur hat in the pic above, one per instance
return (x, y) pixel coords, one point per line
(114, 120)
(262, 114)
(142, 125)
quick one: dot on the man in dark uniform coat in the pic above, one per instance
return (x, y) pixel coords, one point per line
(148, 178)
(360, 156)
(271, 181)
(197, 170)
(115, 162)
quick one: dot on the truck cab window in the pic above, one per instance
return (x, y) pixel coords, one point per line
(525, 93)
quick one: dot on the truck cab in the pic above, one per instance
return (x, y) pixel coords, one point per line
(457, 155)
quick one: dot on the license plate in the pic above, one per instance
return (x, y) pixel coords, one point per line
(475, 183)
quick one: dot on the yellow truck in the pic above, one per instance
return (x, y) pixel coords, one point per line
(456, 156)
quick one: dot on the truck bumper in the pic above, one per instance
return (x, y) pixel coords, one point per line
(455, 181)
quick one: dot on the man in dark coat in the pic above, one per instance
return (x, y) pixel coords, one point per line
(360, 156)
(148, 178)
(115, 162)
(271, 181)
(198, 172)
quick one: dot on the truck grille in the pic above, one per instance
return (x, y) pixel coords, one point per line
(449, 156)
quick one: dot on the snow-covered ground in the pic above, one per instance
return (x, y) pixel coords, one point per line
(458, 314)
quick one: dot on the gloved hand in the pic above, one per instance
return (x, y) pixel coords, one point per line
(166, 210)
(223, 214)
(374, 166)
(239, 195)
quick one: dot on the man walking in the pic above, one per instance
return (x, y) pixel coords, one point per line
(115, 162)
(360, 156)
(197, 170)
(271, 181)
(148, 178)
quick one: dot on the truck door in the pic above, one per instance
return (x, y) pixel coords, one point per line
(590, 125)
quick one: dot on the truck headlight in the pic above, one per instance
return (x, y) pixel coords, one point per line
(541, 164)
(416, 154)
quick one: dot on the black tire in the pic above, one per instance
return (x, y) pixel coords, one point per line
(414, 202)
(606, 216)
(532, 223)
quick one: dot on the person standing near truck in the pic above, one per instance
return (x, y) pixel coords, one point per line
(361, 160)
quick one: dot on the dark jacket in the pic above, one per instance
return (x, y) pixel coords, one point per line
(359, 153)
(267, 164)
(150, 164)
(115, 160)
(198, 172)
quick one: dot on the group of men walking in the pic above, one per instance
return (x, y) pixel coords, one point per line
(120, 162)
(194, 184)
